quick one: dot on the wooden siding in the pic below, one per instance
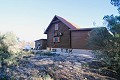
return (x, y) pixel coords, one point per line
(79, 39)
(40, 44)
(64, 39)
(44, 44)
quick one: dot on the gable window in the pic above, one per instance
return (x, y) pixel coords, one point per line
(56, 39)
(56, 26)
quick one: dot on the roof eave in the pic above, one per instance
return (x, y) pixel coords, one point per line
(45, 32)
(81, 29)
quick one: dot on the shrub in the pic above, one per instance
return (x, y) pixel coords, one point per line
(106, 47)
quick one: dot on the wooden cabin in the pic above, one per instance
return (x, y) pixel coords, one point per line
(40, 44)
(63, 34)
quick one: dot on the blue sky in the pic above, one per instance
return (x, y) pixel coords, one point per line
(29, 18)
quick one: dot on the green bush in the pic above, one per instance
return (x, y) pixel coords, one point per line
(106, 47)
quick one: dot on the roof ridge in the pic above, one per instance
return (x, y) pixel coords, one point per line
(68, 23)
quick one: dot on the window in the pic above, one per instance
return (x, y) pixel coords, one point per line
(55, 34)
(56, 39)
(56, 26)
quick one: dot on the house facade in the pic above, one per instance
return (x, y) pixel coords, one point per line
(63, 34)
(79, 38)
(40, 44)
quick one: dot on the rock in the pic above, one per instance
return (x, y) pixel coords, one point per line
(60, 66)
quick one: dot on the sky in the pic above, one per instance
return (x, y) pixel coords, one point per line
(28, 19)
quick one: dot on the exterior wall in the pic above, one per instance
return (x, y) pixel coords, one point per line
(40, 44)
(37, 43)
(44, 44)
(64, 38)
(79, 39)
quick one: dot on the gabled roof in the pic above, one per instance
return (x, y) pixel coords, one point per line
(68, 24)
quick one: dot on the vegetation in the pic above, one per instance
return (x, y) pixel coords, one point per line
(106, 41)
(116, 3)
(5, 43)
(44, 65)
(10, 52)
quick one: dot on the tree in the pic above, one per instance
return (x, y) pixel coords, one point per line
(107, 41)
(3, 48)
(10, 39)
(99, 39)
(113, 24)
(4, 54)
(116, 3)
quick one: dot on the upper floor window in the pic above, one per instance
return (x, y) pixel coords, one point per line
(56, 26)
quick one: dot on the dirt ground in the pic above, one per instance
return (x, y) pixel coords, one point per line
(59, 67)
